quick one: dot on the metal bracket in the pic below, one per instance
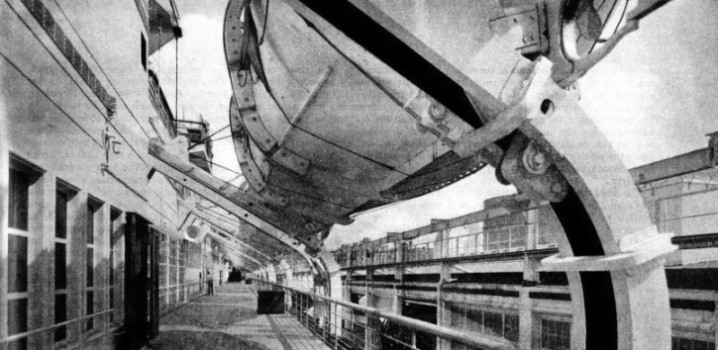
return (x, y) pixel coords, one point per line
(203, 215)
(243, 109)
(242, 205)
(713, 149)
(634, 257)
(581, 65)
(511, 118)
(529, 19)
(530, 169)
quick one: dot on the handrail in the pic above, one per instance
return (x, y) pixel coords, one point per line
(51, 327)
(452, 334)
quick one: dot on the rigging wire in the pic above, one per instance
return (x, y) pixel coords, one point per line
(84, 44)
(222, 138)
(204, 140)
(234, 224)
(279, 187)
(236, 177)
(216, 164)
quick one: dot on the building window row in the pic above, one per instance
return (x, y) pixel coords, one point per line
(56, 238)
(555, 333)
(18, 242)
(678, 343)
(501, 324)
(175, 258)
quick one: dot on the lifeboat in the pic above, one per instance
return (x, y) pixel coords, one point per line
(324, 130)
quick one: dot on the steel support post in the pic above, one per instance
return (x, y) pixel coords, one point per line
(470, 339)
(526, 317)
(334, 289)
(443, 313)
(611, 252)
(203, 215)
(372, 335)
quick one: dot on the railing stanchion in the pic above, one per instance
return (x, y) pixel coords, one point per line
(300, 302)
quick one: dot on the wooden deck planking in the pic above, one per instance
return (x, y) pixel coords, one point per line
(228, 320)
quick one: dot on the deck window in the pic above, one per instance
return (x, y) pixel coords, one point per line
(497, 322)
(691, 344)
(63, 196)
(21, 178)
(555, 334)
(93, 223)
(114, 235)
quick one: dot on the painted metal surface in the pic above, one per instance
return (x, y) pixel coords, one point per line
(242, 205)
(338, 129)
(325, 60)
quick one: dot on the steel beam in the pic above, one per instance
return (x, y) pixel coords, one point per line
(621, 306)
(360, 22)
(244, 257)
(687, 163)
(216, 192)
(238, 246)
(203, 215)
(467, 338)
(619, 292)
(213, 219)
(232, 250)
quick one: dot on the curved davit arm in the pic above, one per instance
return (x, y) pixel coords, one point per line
(345, 105)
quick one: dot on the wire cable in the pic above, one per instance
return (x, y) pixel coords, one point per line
(204, 140)
(222, 138)
(215, 164)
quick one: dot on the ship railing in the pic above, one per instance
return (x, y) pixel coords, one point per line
(349, 326)
(503, 239)
(686, 214)
(23, 339)
(178, 294)
(693, 213)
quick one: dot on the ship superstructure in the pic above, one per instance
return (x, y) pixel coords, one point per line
(113, 216)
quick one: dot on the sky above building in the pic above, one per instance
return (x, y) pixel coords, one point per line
(653, 97)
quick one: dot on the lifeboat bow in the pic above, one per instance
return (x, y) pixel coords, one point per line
(347, 105)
